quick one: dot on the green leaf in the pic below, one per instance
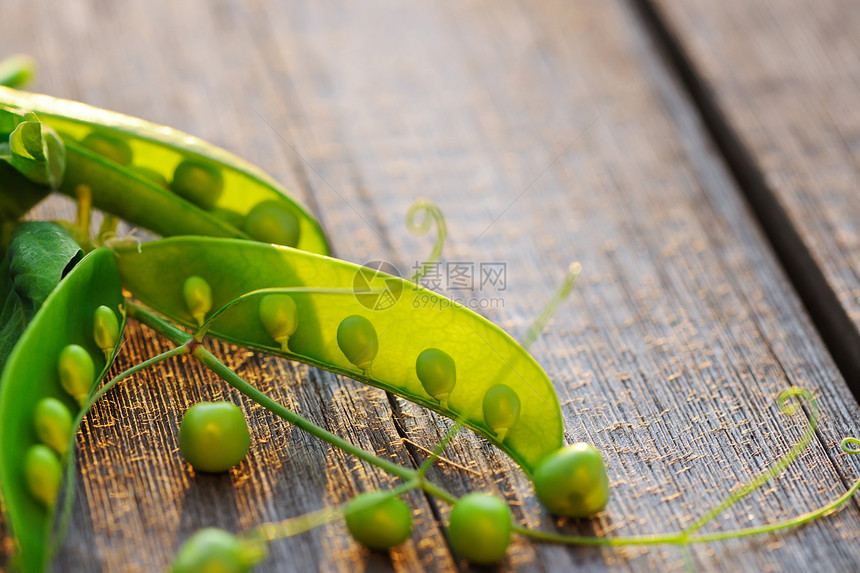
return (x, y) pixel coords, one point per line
(39, 256)
(33, 149)
(17, 71)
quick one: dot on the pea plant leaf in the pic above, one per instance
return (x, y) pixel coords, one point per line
(33, 149)
(40, 254)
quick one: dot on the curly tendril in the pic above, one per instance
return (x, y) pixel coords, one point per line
(432, 213)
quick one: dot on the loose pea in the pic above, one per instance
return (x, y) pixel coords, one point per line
(53, 424)
(213, 436)
(43, 473)
(437, 373)
(198, 298)
(357, 339)
(378, 520)
(272, 222)
(213, 550)
(105, 329)
(501, 409)
(198, 182)
(77, 372)
(480, 528)
(279, 317)
(149, 174)
(114, 148)
(572, 481)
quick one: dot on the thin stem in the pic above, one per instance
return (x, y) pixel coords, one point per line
(779, 466)
(432, 213)
(303, 523)
(552, 305)
(204, 328)
(68, 499)
(84, 197)
(422, 471)
(212, 363)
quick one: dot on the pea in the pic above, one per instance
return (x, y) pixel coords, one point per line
(213, 550)
(272, 222)
(213, 436)
(378, 520)
(116, 149)
(198, 182)
(279, 317)
(572, 481)
(198, 298)
(437, 373)
(480, 528)
(501, 407)
(43, 474)
(149, 174)
(77, 372)
(357, 339)
(53, 424)
(105, 329)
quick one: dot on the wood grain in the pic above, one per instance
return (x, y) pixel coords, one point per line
(778, 84)
(547, 133)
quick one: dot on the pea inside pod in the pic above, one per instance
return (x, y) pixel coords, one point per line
(339, 333)
(128, 162)
(26, 382)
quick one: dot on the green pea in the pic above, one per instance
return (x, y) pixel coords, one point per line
(149, 174)
(116, 149)
(272, 222)
(280, 318)
(105, 329)
(213, 550)
(213, 436)
(198, 298)
(77, 372)
(480, 528)
(357, 339)
(43, 474)
(198, 182)
(572, 481)
(53, 424)
(378, 520)
(437, 373)
(501, 407)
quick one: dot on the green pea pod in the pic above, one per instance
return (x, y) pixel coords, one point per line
(124, 162)
(413, 320)
(30, 375)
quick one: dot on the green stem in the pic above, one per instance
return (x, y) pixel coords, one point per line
(552, 305)
(432, 213)
(422, 471)
(777, 468)
(210, 361)
(68, 498)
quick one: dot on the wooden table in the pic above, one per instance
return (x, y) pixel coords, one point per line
(700, 159)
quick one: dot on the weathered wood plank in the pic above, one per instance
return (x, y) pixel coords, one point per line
(778, 83)
(546, 133)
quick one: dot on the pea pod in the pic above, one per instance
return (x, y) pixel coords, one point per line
(123, 161)
(29, 376)
(418, 319)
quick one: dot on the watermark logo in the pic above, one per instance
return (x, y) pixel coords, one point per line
(373, 286)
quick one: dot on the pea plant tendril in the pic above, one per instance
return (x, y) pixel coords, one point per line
(239, 243)
(788, 400)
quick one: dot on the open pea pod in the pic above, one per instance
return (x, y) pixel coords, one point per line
(167, 181)
(35, 407)
(373, 327)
